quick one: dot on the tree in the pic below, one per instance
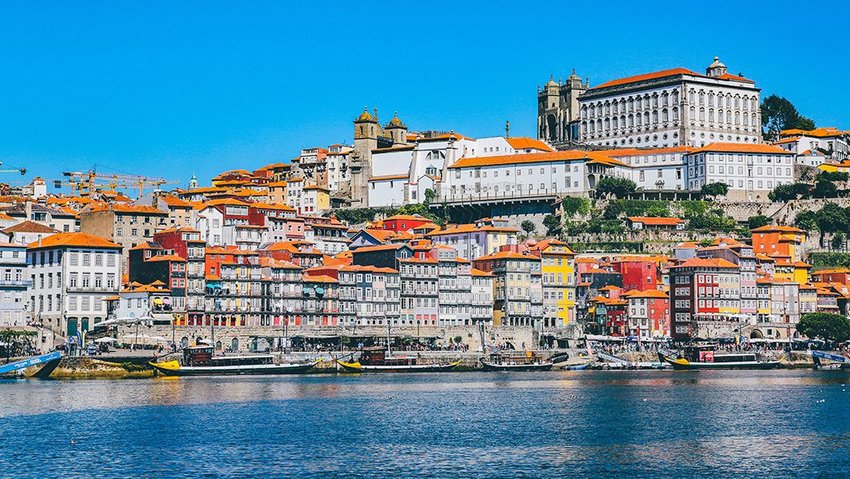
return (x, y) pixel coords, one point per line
(552, 224)
(824, 189)
(429, 196)
(618, 187)
(715, 189)
(574, 206)
(838, 240)
(779, 114)
(528, 226)
(831, 327)
(832, 218)
(833, 176)
(806, 220)
(757, 221)
(788, 192)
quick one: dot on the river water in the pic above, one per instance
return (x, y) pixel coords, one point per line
(556, 424)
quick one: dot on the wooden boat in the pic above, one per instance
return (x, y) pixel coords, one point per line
(39, 367)
(576, 367)
(199, 361)
(703, 357)
(376, 360)
(516, 361)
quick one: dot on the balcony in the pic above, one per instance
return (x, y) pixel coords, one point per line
(21, 283)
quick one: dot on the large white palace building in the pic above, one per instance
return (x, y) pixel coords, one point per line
(675, 107)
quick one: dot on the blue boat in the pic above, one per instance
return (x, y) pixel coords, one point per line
(577, 367)
(837, 361)
(35, 367)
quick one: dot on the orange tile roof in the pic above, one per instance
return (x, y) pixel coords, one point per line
(743, 148)
(548, 157)
(167, 257)
(507, 255)
(776, 229)
(320, 278)
(380, 247)
(647, 76)
(649, 293)
(174, 201)
(706, 263)
(823, 132)
(124, 208)
(469, 228)
(619, 152)
(656, 221)
(524, 143)
(389, 177)
(832, 271)
(478, 272)
(29, 227)
(81, 240)
(226, 201)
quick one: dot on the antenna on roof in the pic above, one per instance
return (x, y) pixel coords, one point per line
(507, 129)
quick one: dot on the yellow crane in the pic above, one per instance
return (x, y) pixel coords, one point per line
(85, 183)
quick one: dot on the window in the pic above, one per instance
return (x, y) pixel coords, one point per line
(86, 259)
(74, 259)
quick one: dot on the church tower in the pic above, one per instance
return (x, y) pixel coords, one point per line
(366, 131)
(397, 130)
(558, 111)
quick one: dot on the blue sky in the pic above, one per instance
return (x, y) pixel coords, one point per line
(175, 88)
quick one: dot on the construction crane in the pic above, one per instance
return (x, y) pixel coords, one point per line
(22, 171)
(88, 182)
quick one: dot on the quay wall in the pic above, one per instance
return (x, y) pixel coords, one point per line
(244, 338)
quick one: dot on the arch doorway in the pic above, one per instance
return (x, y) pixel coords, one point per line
(234, 344)
(184, 342)
(756, 334)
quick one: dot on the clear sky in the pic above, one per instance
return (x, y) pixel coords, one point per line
(175, 88)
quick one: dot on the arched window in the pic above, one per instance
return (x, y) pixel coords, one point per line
(607, 124)
(664, 115)
(637, 119)
(675, 97)
(664, 99)
(646, 118)
(614, 122)
(720, 117)
(702, 114)
(675, 114)
(631, 120)
(654, 116)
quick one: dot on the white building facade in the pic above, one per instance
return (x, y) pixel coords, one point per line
(72, 274)
(676, 107)
(14, 285)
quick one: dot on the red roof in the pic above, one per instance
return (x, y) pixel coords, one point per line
(656, 221)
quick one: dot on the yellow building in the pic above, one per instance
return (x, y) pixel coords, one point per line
(559, 289)
(315, 200)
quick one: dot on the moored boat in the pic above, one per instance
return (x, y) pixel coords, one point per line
(376, 360)
(200, 361)
(834, 361)
(516, 361)
(705, 357)
(39, 367)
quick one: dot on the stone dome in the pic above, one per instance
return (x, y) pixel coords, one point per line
(365, 116)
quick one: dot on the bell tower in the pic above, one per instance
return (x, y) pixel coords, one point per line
(365, 140)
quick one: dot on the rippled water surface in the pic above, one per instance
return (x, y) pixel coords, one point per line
(558, 424)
